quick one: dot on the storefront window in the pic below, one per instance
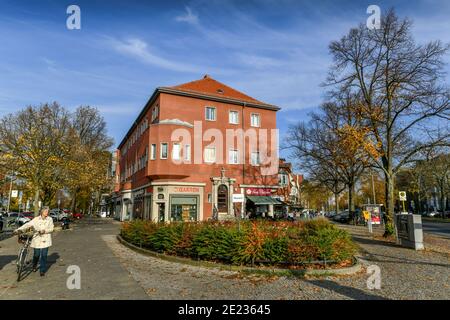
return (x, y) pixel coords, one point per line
(184, 208)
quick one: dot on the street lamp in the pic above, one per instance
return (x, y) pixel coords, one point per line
(10, 191)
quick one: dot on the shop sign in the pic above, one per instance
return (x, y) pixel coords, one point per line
(238, 198)
(258, 192)
(187, 189)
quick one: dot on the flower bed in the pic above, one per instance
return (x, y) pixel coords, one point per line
(288, 244)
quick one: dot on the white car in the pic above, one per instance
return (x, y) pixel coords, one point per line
(62, 215)
(432, 214)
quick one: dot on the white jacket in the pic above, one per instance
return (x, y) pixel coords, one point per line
(40, 240)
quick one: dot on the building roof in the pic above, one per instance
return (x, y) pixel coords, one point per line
(210, 86)
(206, 88)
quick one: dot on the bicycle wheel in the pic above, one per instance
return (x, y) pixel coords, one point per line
(21, 262)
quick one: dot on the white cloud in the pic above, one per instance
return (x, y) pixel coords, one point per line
(139, 49)
(188, 17)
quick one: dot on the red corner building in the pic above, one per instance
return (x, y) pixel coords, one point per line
(196, 151)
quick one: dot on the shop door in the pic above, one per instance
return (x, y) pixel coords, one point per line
(161, 212)
(222, 198)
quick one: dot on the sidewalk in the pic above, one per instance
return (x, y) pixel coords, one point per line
(102, 276)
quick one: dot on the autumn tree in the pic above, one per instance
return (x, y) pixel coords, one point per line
(35, 146)
(332, 146)
(405, 105)
(88, 165)
(52, 149)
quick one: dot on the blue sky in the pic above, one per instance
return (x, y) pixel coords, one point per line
(275, 51)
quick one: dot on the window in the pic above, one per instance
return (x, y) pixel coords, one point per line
(283, 179)
(176, 151)
(155, 112)
(164, 151)
(255, 120)
(255, 159)
(210, 154)
(187, 152)
(210, 114)
(233, 157)
(234, 117)
(153, 152)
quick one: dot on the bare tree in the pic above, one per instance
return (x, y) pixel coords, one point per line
(331, 146)
(404, 104)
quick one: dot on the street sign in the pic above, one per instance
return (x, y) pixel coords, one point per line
(402, 195)
(238, 198)
(14, 193)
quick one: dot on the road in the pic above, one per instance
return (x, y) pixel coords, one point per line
(441, 229)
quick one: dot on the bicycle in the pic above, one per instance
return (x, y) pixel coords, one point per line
(24, 256)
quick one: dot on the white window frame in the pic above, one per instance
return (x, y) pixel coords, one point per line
(237, 116)
(161, 150)
(231, 160)
(153, 151)
(187, 152)
(259, 120)
(258, 159)
(206, 113)
(178, 157)
(284, 176)
(204, 155)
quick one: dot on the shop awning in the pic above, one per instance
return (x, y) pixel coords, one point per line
(263, 200)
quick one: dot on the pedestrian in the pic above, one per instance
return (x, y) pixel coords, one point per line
(43, 225)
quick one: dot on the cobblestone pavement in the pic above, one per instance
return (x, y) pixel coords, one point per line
(113, 271)
(102, 276)
(405, 274)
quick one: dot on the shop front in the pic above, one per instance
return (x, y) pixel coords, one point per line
(260, 203)
(184, 208)
(177, 202)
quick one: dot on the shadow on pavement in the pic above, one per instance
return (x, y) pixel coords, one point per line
(52, 259)
(374, 257)
(350, 292)
(4, 260)
(376, 242)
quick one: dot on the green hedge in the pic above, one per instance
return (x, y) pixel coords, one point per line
(249, 243)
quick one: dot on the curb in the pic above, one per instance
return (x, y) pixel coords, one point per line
(262, 270)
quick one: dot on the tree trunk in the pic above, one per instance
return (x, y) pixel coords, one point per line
(336, 203)
(442, 198)
(36, 202)
(389, 222)
(351, 205)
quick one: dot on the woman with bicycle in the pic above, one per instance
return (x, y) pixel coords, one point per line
(43, 225)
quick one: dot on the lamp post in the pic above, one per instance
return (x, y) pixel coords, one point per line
(10, 190)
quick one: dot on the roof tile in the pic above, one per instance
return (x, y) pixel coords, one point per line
(209, 86)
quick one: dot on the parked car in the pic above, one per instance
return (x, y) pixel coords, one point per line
(54, 216)
(77, 215)
(432, 214)
(343, 217)
(24, 217)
